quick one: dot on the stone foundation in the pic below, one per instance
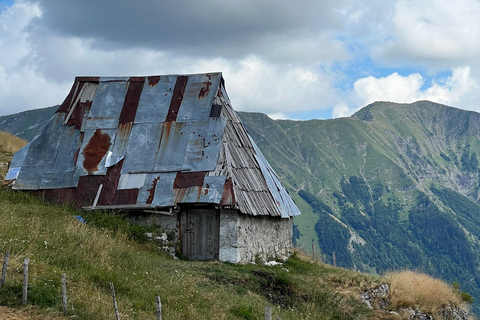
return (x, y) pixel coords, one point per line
(245, 238)
(242, 238)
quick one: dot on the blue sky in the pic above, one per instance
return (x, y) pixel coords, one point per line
(291, 60)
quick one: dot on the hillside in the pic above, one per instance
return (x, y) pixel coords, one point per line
(108, 248)
(25, 124)
(394, 186)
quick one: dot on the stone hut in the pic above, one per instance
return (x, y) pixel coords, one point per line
(170, 147)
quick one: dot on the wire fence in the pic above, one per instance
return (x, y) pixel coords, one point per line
(55, 288)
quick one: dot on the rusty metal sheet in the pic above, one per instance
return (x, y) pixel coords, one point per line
(170, 154)
(204, 144)
(198, 97)
(177, 97)
(130, 104)
(155, 99)
(106, 106)
(93, 153)
(163, 191)
(43, 148)
(144, 140)
(65, 161)
(131, 181)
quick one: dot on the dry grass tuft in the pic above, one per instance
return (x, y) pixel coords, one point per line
(10, 143)
(411, 289)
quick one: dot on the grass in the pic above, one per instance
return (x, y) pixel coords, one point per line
(93, 256)
(411, 289)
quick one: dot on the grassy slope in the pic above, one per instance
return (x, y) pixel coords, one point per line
(92, 257)
(403, 150)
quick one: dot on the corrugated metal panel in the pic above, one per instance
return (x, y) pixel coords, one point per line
(170, 155)
(144, 139)
(204, 144)
(106, 106)
(198, 97)
(163, 193)
(131, 181)
(155, 99)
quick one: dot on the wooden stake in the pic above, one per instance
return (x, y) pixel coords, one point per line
(334, 259)
(268, 313)
(313, 251)
(25, 280)
(4, 269)
(159, 307)
(64, 294)
(117, 316)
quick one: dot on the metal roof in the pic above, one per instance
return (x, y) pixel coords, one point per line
(150, 142)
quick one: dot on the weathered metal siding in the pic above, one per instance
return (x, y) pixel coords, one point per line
(146, 142)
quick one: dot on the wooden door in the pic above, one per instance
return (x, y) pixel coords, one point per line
(200, 234)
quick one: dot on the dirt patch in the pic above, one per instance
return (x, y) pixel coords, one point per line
(27, 313)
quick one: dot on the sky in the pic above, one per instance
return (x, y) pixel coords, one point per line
(303, 59)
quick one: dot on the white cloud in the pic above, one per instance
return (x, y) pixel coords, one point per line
(254, 84)
(434, 32)
(397, 88)
(278, 116)
(342, 110)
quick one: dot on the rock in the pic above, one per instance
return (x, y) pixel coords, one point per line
(273, 263)
(377, 297)
(282, 258)
(149, 235)
(453, 313)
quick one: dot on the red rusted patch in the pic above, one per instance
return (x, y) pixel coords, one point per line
(95, 150)
(87, 189)
(206, 88)
(58, 196)
(109, 195)
(153, 80)
(228, 197)
(87, 79)
(127, 196)
(137, 79)
(189, 179)
(151, 192)
(177, 98)
(130, 104)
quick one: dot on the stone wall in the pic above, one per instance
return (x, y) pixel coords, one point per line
(245, 238)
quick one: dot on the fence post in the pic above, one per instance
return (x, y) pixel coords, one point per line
(159, 307)
(334, 259)
(64, 294)
(313, 251)
(117, 316)
(268, 313)
(25, 280)
(4, 269)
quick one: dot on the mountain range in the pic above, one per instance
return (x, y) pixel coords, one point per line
(394, 186)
